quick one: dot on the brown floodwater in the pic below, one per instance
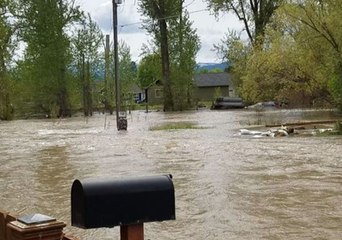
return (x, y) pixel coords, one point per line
(226, 186)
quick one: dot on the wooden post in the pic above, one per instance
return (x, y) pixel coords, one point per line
(48, 231)
(116, 63)
(107, 86)
(132, 232)
(5, 218)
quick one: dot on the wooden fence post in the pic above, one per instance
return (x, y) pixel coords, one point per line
(5, 217)
(132, 232)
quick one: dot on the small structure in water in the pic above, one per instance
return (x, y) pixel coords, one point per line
(32, 226)
(227, 103)
(261, 106)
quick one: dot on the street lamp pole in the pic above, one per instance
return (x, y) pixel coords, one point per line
(121, 123)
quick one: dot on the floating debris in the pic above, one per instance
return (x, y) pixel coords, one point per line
(284, 131)
(281, 132)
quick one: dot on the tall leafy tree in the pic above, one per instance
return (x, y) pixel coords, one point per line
(7, 30)
(178, 44)
(158, 13)
(184, 45)
(149, 70)
(235, 52)
(127, 72)
(255, 14)
(45, 23)
(284, 72)
(297, 60)
(319, 28)
(86, 44)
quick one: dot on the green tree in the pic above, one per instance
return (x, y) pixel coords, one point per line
(184, 45)
(149, 71)
(235, 52)
(126, 70)
(293, 65)
(44, 26)
(7, 30)
(318, 28)
(158, 13)
(178, 44)
(254, 14)
(86, 44)
(270, 72)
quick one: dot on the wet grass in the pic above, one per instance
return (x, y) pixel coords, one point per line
(337, 129)
(176, 126)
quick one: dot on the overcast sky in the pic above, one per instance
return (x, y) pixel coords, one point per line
(210, 30)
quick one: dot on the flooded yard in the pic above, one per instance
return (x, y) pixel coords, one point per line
(226, 186)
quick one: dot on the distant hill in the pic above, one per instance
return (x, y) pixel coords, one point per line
(211, 66)
(99, 73)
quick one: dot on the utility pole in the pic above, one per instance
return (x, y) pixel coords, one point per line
(109, 84)
(121, 120)
(106, 88)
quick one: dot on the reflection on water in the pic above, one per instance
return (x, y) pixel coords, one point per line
(227, 187)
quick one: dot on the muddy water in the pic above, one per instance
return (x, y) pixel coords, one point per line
(227, 187)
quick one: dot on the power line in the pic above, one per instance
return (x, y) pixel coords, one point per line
(189, 4)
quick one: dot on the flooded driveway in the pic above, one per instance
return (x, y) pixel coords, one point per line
(226, 186)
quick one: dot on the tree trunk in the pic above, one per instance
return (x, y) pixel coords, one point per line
(63, 103)
(6, 109)
(87, 98)
(89, 91)
(168, 99)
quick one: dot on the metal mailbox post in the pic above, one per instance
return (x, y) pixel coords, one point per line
(127, 203)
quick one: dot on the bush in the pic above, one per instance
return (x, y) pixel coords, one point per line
(338, 128)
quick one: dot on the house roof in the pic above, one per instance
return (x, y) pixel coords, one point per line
(213, 79)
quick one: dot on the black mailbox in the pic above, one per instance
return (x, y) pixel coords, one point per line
(119, 202)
